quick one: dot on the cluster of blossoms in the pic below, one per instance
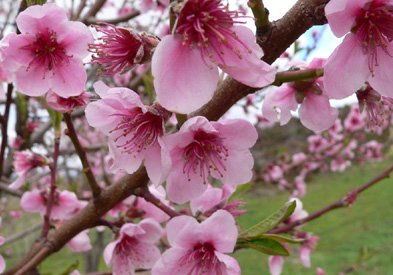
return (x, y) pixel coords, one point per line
(200, 162)
(344, 144)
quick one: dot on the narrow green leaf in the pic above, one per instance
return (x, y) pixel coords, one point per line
(270, 222)
(266, 246)
(280, 238)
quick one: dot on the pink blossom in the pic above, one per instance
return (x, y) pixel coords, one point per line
(65, 105)
(306, 248)
(276, 264)
(300, 186)
(339, 164)
(216, 198)
(149, 209)
(80, 243)
(24, 162)
(365, 55)
(48, 53)
(315, 111)
(134, 248)
(298, 158)
(273, 173)
(148, 5)
(372, 150)
(134, 130)
(354, 121)
(64, 204)
(120, 49)
(320, 271)
(200, 248)
(206, 37)
(203, 149)
(317, 143)
(299, 213)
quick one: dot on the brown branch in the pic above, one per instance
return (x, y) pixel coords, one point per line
(145, 193)
(279, 36)
(93, 10)
(345, 201)
(114, 21)
(4, 127)
(95, 188)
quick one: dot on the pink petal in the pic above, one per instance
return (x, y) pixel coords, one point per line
(75, 39)
(238, 167)
(69, 79)
(249, 69)
(316, 113)
(101, 88)
(169, 263)
(123, 160)
(37, 17)
(144, 255)
(32, 81)
(19, 181)
(346, 69)
(184, 88)
(282, 99)
(341, 14)
(80, 243)
(211, 197)
(232, 266)
(153, 231)
(382, 81)
(275, 264)
(2, 264)
(153, 163)
(32, 201)
(181, 231)
(304, 254)
(237, 133)
(108, 252)
(211, 230)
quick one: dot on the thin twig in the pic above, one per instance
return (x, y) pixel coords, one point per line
(148, 196)
(22, 234)
(114, 21)
(345, 201)
(4, 127)
(95, 188)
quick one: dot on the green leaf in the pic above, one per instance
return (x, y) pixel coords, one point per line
(240, 190)
(280, 238)
(270, 222)
(266, 246)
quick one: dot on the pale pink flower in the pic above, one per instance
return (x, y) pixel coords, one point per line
(120, 49)
(134, 248)
(273, 173)
(354, 120)
(80, 243)
(203, 149)
(300, 186)
(339, 164)
(48, 53)
(298, 158)
(276, 264)
(216, 198)
(200, 248)
(315, 112)
(299, 213)
(317, 143)
(134, 130)
(205, 36)
(64, 205)
(65, 105)
(320, 271)
(306, 248)
(372, 150)
(365, 55)
(150, 210)
(24, 162)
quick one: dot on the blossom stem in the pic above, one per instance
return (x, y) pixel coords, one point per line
(343, 202)
(52, 189)
(261, 14)
(297, 75)
(4, 127)
(145, 193)
(95, 188)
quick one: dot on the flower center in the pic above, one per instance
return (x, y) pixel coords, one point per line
(136, 131)
(374, 29)
(202, 260)
(207, 24)
(47, 51)
(118, 51)
(206, 154)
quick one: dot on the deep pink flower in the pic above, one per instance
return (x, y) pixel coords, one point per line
(65, 105)
(365, 55)
(135, 247)
(315, 111)
(134, 130)
(121, 49)
(200, 248)
(48, 53)
(64, 206)
(206, 37)
(203, 149)
(24, 162)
